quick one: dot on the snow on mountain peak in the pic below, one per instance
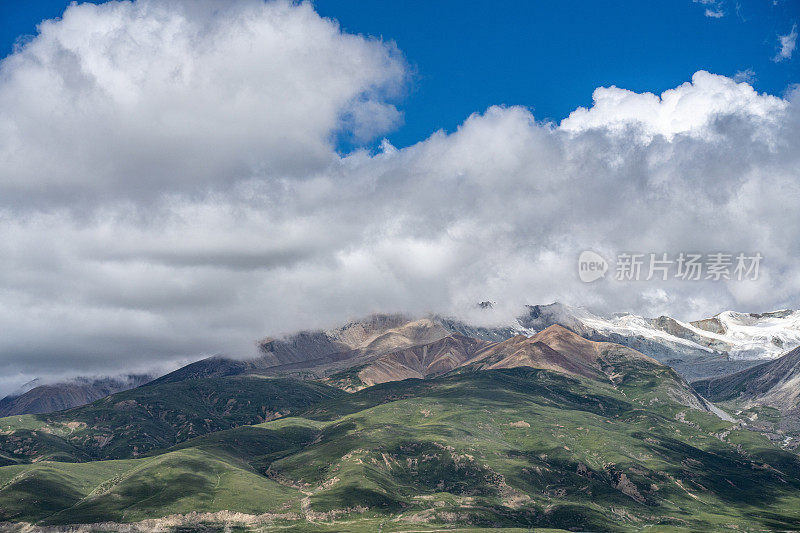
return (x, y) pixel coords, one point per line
(739, 336)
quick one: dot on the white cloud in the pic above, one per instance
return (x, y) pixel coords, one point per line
(746, 76)
(688, 109)
(179, 95)
(228, 222)
(714, 8)
(788, 43)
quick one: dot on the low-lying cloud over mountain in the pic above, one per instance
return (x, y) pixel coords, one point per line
(171, 187)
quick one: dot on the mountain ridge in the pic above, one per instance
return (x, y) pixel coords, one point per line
(696, 349)
(766, 397)
(57, 396)
(771, 379)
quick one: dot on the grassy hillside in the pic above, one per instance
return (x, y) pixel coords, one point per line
(132, 490)
(155, 416)
(528, 447)
(494, 448)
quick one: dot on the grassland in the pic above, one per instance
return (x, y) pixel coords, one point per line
(517, 448)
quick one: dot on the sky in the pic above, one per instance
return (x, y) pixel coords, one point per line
(547, 56)
(182, 178)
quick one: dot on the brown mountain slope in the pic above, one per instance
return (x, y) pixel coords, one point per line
(557, 348)
(423, 361)
(354, 350)
(528, 351)
(315, 354)
(387, 331)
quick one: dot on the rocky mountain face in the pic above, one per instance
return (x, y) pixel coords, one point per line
(422, 361)
(386, 348)
(559, 349)
(68, 394)
(316, 354)
(555, 348)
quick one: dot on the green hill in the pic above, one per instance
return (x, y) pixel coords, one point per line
(517, 447)
(154, 416)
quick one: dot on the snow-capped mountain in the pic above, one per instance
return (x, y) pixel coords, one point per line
(725, 343)
(753, 336)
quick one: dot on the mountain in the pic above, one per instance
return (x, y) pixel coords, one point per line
(154, 416)
(694, 350)
(555, 348)
(723, 344)
(775, 382)
(473, 448)
(753, 335)
(315, 354)
(65, 395)
(559, 349)
(163, 413)
(440, 425)
(767, 396)
(308, 354)
(420, 361)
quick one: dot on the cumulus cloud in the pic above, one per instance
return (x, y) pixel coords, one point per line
(184, 96)
(787, 45)
(688, 109)
(227, 214)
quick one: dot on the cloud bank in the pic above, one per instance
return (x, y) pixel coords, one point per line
(172, 190)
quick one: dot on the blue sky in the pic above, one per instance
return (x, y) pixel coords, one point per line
(548, 56)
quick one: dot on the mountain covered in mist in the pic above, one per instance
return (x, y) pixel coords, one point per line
(397, 346)
(720, 345)
(45, 398)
